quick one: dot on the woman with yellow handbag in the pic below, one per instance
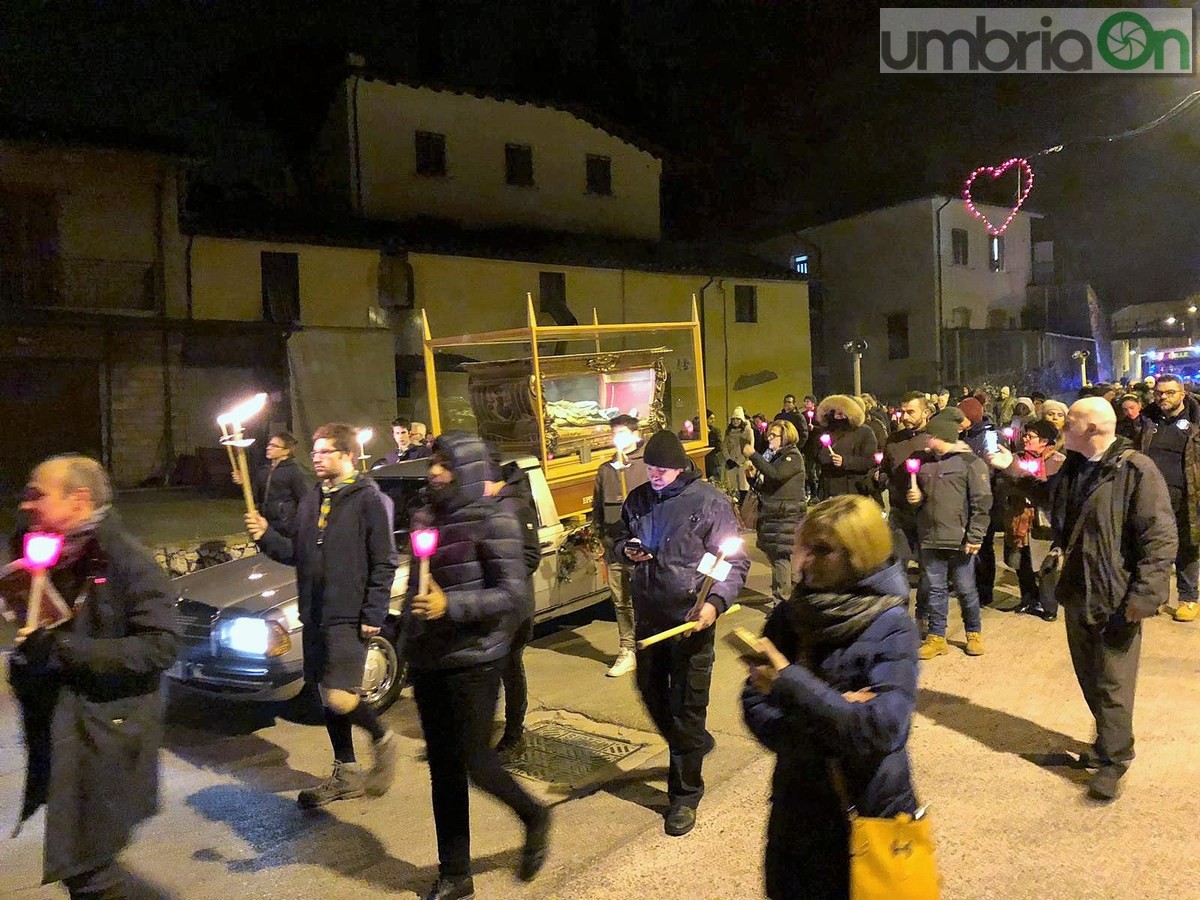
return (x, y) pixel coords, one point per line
(831, 691)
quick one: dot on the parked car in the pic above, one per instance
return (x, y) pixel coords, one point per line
(240, 620)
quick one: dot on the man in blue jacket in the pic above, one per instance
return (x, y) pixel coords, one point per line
(676, 517)
(345, 560)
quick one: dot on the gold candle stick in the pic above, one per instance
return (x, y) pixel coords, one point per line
(685, 628)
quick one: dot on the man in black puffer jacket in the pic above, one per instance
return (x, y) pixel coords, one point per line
(677, 518)
(457, 634)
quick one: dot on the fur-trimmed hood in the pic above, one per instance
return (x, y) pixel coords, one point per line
(846, 405)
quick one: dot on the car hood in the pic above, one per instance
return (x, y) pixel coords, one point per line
(253, 583)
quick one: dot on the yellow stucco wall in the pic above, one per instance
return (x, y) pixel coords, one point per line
(474, 191)
(339, 286)
(471, 295)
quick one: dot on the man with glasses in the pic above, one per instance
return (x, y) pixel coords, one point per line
(279, 485)
(1172, 439)
(345, 561)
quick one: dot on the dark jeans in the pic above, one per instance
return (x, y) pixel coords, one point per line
(105, 882)
(1187, 561)
(940, 569)
(516, 689)
(907, 548)
(1106, 664)
(456, 707)
(673, 678)
(985, 567)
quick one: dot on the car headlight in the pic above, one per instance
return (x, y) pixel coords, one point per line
(252, 636)
(287, 615)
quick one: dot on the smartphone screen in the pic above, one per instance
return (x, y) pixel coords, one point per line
(991, 441)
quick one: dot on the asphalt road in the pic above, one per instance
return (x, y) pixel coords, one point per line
(987, 743)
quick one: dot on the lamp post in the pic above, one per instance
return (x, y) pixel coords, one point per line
(856, 348)
(1082, 356)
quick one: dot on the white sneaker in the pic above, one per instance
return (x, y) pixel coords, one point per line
(626, 663)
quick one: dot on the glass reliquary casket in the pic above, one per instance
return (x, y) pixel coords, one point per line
(581, 392)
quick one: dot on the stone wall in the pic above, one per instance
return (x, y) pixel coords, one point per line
(183, 559)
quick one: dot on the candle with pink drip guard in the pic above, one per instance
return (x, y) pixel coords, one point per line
(424, 543)
(913, 466)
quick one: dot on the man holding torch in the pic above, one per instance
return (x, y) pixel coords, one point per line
(345, 561)
(667, 527)
(89, 687)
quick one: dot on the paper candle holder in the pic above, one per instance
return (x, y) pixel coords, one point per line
(913, 466)
(41, 549)
(424, 542)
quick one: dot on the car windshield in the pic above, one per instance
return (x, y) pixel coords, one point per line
(405, 494)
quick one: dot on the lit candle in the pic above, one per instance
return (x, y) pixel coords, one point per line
(826, 440)
(1007, 432)
(810, 413)
(364, 436)
(424, 543)
(715, 568)
(41, 553)
(913, 465)
(878, 459)
(689, 427)
(234, 438)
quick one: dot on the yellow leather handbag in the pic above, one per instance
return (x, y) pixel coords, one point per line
(892, 859)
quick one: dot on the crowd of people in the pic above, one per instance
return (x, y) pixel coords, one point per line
(848, 498)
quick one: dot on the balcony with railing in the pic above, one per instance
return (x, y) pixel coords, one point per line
(83, 285)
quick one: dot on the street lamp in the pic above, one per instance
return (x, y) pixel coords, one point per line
(1082, 356)
(1170, 320)
(856, 348)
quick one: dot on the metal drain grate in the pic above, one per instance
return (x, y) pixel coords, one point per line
(557, 753)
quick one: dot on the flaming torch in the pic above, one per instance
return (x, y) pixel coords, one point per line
(234, 440)
(364, 435)
(424, 543)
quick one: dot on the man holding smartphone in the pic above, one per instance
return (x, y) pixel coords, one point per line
(666, 527)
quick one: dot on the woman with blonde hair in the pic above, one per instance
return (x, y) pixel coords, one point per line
(836, 700)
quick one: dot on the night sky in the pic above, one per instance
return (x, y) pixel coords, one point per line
(770, 115)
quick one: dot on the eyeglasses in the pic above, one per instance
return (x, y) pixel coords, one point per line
(317, 453)
(1167, 393)
(775, 434)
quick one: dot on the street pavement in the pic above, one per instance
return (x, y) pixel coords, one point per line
(988, 745)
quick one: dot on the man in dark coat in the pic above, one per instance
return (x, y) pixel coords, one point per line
(515, 496)
(406, 447)
(280, 484)
(345, 559)
(89, 688)
(976, 438)
(1111, 515)
(848, 459)
(457, 634)
(676, 519)
(792, 413)
(614, 481)
(901, 444)
(1172, 439)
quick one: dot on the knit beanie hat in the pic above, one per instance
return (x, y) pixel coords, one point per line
(665, 451)
(943, 427)
(972, 409)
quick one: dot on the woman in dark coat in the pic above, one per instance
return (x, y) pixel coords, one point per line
(780, 487)
(839, 694)
(847, 462)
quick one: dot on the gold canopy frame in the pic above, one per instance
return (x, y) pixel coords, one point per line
(570, 479)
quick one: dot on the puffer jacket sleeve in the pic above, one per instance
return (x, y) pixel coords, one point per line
(151, 642)
(776, 474)
(878, 726)
(504, 580)
(381, 558)
(764, 718)
(1155, 540)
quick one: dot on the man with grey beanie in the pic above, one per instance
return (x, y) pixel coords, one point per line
(667, 526)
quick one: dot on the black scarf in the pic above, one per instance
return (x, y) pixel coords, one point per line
(835, 620)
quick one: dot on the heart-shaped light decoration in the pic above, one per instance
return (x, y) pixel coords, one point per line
(1025, 185)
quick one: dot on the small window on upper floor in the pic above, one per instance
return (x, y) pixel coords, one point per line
(431, 154)
(280, 279)
(599, 174)
(518, 165)
(745, 303)
(800, 264)
(996, 253)
(959, 246)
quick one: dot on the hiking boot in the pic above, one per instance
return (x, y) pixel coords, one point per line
(974, 643)
(452, 889)
(379, 779)
(933, 645)
(1105, 785)
(345, 783)
(1089, 759)
(1187, 612)
(537, 839)
(680, 820)
(626, 662)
